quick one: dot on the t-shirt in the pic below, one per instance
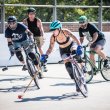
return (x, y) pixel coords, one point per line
(89, 31)
(18, 34)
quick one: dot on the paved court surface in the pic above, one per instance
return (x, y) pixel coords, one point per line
(56, 91)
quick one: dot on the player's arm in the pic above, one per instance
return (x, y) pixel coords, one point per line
(69, 33)
(52, 43)
(29, 33)
(39, 24)
(95, 36)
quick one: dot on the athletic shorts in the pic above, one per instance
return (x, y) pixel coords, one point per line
(24, 44)
(98, 43)
(65, 52)
(39, 40)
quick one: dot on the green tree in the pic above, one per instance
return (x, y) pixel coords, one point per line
(64, 14)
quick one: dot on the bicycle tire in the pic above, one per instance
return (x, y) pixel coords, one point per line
(40, 74)
(89, 69)
(105, 72)
(32, 70)
(79, 80)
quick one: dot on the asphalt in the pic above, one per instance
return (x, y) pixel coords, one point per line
(56, 91)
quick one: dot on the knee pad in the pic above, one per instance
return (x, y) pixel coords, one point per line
(19, 56)
(33, 57)
(69, 69)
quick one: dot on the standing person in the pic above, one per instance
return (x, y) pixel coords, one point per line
(95, 37)
(17, 36)
(35, 26)
(68, 43)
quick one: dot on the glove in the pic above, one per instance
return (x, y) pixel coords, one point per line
(79, 50)
(44, 58)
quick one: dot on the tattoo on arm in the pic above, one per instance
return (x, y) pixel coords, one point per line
(52, 42)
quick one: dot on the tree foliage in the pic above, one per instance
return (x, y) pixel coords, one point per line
(63, 14)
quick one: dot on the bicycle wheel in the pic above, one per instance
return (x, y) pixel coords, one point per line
(105, 72)
(32, 71)
(40, 73)
(89, 74)
(80, 80)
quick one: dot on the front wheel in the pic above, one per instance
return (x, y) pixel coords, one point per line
(32, 71)
(105, 72)
(89, 71)
(80, 80)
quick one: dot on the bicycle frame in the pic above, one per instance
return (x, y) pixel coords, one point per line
(86, 57)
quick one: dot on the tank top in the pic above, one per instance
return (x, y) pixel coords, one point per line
(32, 25)
(62, 43)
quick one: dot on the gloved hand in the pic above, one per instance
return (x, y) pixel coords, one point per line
(44, 58)
(79, 50)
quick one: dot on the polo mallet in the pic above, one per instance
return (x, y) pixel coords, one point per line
(6, 67)
(21, 96)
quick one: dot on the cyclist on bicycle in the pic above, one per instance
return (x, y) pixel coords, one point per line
(95, 37)
(35, 26)
(68, 43)
(17, 36)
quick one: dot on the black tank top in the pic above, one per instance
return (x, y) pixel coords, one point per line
(67, 39)
(62, 43)
(32, 25)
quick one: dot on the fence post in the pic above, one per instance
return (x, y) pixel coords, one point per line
(3, 16)
(100, 15)
(55, 11)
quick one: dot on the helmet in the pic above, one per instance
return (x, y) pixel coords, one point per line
(31, 10)
(55, 25)
(82, 19)
(12, 19)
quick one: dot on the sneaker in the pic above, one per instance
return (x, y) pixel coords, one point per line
(76, 93)
(84, 69)
(24, 68)
(45, 69)
(106, 63)
(90, 72)
(40, 75)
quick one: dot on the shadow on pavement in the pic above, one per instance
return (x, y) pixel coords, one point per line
(17, 88)
(57, 78)
(67, 96)
(64, 84)
(15, 79)
(97, 82)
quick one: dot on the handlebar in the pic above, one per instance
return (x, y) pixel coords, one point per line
(85, 46)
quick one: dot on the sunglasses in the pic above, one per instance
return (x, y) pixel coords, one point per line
(11, 23)
(81, 22)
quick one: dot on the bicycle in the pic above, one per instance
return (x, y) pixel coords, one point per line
(105, 72)
(78, 76)
(31, 67)
(42, 64)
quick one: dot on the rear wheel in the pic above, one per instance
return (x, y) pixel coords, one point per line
(33, 71)
(105, 72)
(80, 80)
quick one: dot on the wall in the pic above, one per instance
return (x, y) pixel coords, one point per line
(73, 26)
(53, 58)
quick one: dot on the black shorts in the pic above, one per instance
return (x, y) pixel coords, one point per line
(100, 42)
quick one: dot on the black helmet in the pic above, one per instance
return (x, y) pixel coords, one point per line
(31, 10)
(12, 19)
